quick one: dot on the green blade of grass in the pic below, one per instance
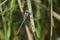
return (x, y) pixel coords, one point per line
(11, 9)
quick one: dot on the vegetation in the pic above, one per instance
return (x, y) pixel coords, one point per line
(56, 19)
(26, 20)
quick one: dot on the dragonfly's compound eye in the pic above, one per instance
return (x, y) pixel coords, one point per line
(27, 11)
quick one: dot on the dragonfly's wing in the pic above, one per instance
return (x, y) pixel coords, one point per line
(24, 19)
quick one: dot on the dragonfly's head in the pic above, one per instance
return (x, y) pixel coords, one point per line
(27, 12)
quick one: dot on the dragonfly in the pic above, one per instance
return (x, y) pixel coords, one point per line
(24, 19)
(27, 12)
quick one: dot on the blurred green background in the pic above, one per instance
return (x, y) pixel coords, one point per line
(37, 25)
